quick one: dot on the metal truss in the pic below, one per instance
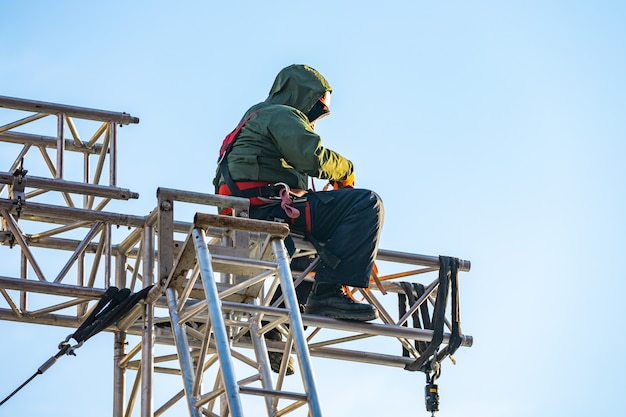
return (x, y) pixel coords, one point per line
(221, 285)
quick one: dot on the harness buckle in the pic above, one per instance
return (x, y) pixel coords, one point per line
(286, 201)
(278, 196)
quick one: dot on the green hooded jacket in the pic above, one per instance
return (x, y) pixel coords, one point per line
(277, 143)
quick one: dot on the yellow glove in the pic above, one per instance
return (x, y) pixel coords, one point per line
(347, 183)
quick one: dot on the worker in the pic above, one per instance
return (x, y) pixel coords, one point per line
(269, 158)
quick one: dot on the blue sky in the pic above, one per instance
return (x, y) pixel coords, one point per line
(494, 131)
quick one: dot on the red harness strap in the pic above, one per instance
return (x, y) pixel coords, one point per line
(307, 216)
(245, 185)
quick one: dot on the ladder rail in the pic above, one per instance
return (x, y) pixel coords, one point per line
(217, 323)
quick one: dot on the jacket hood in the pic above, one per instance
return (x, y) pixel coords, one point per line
(298, 86)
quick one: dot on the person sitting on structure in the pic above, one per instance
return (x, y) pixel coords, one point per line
(269, 157)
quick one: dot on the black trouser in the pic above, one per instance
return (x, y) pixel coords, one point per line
(348, 221)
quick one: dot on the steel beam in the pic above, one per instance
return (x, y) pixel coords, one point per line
(73, 111)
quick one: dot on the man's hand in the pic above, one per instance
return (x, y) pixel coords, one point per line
(347, 183)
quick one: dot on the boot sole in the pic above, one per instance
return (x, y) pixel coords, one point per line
(276, 359)
(344, 315)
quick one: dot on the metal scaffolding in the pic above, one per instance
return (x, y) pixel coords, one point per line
(219, 285)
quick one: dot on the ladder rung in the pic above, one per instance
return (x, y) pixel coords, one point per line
(273, 393)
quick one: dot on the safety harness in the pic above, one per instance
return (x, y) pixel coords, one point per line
(258, 192)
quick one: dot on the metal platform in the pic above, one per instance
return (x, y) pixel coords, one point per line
(204, 326)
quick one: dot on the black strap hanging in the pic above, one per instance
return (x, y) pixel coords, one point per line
(112, 306)
(456, 337)
(412, 293)
(402, 297)
(448, 274)
(419, 292)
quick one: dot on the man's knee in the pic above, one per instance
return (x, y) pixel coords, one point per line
(369, 199)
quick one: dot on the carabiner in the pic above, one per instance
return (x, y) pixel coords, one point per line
(285, 186)
(286, 203)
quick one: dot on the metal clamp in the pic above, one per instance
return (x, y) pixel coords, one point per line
(67, 348)
(16, 190)
(431, 390)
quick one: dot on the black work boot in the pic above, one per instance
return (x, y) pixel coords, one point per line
(329, 300)
(276, 358)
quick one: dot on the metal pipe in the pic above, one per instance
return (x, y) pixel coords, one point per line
(192, 310)
(24, 276)
(119, 345)
(260, 351)
(73, 214)
(15, 164)
(97, 134)
(108, 254)
(59, 230)
(44, 287)
(147, 339)
(73, 130)
(233, 260)
(205, 199)
(132, 396)
(60, 145)
(415, 259)
(387, 319)
(50, 309)
(79, 251)
(87, 199)
(43, 141)
(54, 108)
(189, 286)
(291, 302)
(123, 362)
(203, 220)
(165, 228)
(272, 393)
(80, 281)
(129, 319)
(182, 347)
(47, 160)
(11, 303)
(245, 284)
(113, 154)
(362, 357)
(219, 329)
(169, 403)
(72, 187)
(119, 373)
(22, 122)
(418, 302)
(101, 157)
(423, 335)
(130, 241)
(48, 319)
(23, 244)
(96, 263)
(200, 361)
